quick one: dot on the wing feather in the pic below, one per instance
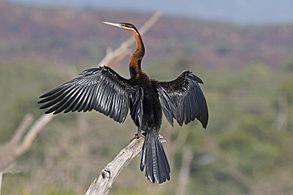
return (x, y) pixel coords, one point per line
(182, 99)
(101, 89)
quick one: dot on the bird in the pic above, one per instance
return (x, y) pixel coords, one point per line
(105, 91)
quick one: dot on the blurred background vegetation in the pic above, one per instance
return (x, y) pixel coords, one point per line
(248, 81)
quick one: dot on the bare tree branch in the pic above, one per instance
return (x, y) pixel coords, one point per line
(103, 183)
(1, 177)
(33, 133)
(184, 172)
(281, 122)
(24, 125)
(7, 151)
(15, 148)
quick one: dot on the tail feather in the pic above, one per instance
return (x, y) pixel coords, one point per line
(164, 168)
(154, 159)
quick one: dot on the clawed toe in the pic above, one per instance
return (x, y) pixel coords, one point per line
(162, 139)
(137, 136)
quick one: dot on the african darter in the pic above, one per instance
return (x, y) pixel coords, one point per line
(105, 91)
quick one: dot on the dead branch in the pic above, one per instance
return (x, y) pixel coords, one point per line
(7, 154)
(184, 172)
(20, 142)
(103, 183)
(33, 133)
(281, 122)
(24, 125)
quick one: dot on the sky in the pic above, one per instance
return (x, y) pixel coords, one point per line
(239, 11)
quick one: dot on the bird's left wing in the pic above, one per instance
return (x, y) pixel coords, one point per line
(101, 89)
(183, 99)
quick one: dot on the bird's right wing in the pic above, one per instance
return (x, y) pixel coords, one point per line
(101, 89)
(183, 99)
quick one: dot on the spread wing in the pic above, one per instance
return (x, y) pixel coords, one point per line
(182, 99)
(101, 89)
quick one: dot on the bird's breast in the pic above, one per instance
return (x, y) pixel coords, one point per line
(152, 111)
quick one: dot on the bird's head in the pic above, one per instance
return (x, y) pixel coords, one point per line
(125, 26)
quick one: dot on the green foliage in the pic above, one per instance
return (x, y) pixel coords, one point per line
(286, 88)
(289, 66)
(240, 147)
(21, 84)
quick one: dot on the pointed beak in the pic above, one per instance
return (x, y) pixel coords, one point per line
(114, 24)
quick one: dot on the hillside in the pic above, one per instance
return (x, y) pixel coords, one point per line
(78, 36)
(240, 11)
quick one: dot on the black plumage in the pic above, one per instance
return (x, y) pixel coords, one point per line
(103, 90)
(182, 99)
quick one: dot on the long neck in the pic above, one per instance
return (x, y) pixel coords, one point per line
(136, 57)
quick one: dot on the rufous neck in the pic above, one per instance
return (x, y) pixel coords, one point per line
(136, 57)
(139, 52)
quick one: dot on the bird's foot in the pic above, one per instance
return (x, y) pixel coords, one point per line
(137, 136)
(162, 139)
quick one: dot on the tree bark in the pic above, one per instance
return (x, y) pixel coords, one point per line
(184, 172)
(102, 184)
